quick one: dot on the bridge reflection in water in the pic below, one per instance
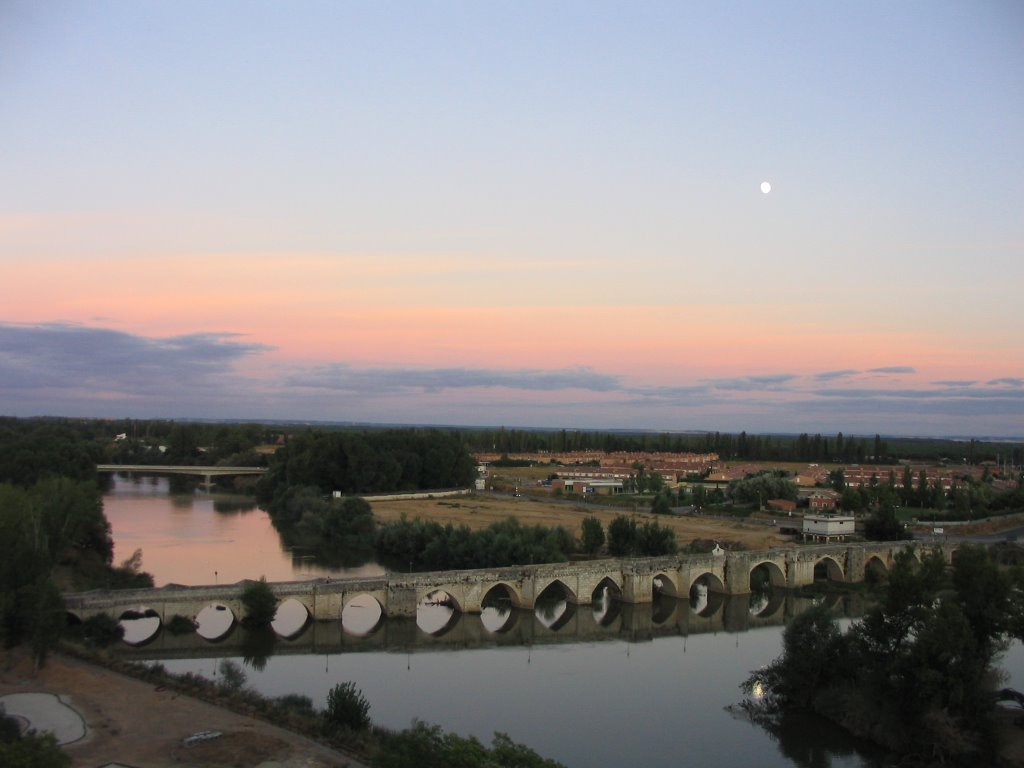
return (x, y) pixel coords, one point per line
(559, 623)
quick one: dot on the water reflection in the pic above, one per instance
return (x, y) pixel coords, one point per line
(606, 605)
(436, 613)
(663, 609)
(290, 619)
(759, 601)
(361, 616)
(257, 646)
(553, 608)
(139, 627)
(231, 505)
(679, 675)
(440, 624)
(497, 614)
(809, 741)
(188, 538)
(214, 622)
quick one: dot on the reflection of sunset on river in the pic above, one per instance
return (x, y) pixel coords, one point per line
(185, 540)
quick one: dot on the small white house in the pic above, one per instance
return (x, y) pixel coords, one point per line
(827, 527)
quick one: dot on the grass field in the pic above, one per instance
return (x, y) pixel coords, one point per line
(480, 510)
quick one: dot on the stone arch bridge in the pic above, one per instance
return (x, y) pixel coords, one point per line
(634, 580)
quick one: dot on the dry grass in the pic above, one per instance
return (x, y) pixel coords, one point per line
(481, 510)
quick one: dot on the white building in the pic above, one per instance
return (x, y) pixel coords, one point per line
(827, 527)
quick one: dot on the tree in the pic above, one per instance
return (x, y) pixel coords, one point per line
(882, 525)
(259, 603)
(347, 707)
(232, 676)
(810, 648)
(662, 503)
(915, 674)
(592, 537)
(923, 494)
(427, 746)
(621, 536)
(907, 486)
(837, 478)
(654, 540)
(33, 751)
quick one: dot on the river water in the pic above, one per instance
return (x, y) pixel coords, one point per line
(590, 687)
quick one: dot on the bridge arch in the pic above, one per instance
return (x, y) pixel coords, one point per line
(498, 608)
(710, 580)
(827, 569)
(291, 618)
(139, 625)
(438, 611)
(875, 570)
(555, 605)
(432, 595)
(501, 591)
(773, 575)
(361, 615)
(556, 583)
(215, 622)
(607, 588)
(664, 583)
(707, 594)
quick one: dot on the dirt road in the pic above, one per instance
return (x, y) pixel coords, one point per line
(134, 723)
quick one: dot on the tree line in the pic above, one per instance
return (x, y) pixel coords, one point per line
(53, 533)
(366, 462)
(838, 448)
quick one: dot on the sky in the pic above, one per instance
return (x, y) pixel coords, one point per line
(531, 214)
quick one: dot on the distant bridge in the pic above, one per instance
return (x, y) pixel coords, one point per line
(207, 473)
(629, 581)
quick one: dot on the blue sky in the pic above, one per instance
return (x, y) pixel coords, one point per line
(534, 213)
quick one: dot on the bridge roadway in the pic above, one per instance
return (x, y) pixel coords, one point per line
(207, 473)
(628, 581)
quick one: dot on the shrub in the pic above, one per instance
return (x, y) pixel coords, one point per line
(232, 677)
(180, 625)
(259, 603)
(347, 707)
(99, 631)
(33, 751)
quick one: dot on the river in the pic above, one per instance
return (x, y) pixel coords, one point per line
(638, 692)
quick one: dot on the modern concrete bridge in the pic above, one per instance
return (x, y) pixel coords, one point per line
(207, 473)
(629, 581)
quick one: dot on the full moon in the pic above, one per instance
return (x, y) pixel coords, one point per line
(766, 187)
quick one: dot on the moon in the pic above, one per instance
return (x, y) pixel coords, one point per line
(766, 187)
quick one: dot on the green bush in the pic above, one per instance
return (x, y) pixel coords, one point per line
(347, 707)
(180, 625)
(259, 603)
(33, 751)
(99, 631)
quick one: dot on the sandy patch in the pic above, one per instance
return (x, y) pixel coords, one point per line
(133, 723)
(46, 713)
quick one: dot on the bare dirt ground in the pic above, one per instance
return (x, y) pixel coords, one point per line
(481, 510)
(135, 724)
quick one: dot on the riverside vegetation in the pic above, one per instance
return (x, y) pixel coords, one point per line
(54, 536)
(917, 674)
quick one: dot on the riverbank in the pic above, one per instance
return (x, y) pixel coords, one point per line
(132, 722)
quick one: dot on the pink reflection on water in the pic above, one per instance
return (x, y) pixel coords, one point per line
(184, 540)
